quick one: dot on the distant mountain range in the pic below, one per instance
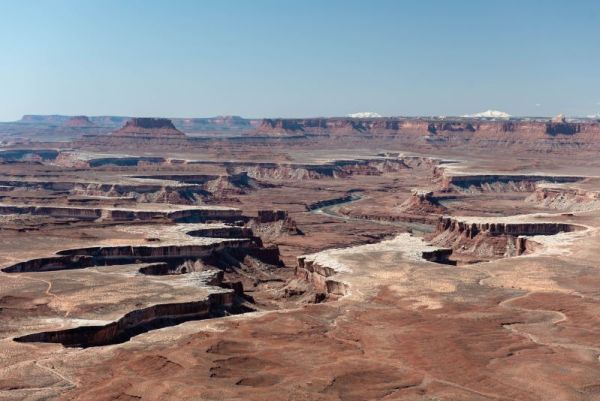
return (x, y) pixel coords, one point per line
(364, 114)
(489, 114)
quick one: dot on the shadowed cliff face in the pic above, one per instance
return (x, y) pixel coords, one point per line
(118, 255)
(150, 123)
(500, 182)
(186, 215)
(141, 321)
(562, 128)
(201, 266)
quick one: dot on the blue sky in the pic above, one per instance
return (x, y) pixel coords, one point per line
(279, 58)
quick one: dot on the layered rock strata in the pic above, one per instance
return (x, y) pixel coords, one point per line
(474, 240)
(499, 182)
(423, 126)
(149, 127)
(566, 199)
(198, 214)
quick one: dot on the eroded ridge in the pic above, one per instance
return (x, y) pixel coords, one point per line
(331, 271)
(480, 239)
(188, 215)
(204, 256)
(143, 320)
(502, 182)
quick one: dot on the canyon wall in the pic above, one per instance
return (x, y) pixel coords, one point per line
(470, 229)
(500, 182)
(185, 215)
(567, 199)
(136, 322)
(149, 127)
(475, 240)
(319, 276)
(536, 134)
(424, 126)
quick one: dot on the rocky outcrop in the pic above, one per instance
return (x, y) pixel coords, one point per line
(79, 121)
(222, 232)
(320, 277)
(441, 255)
(150, 128)
(566, 199)
(213, 187)
(271, 224)
(500, 183)
(49, 119)
(193, 189)
(117, 255)
(477, 240)
(559, 126)
(470, 229)
(562, 128)
(421, 210)
(191, 215)
(224, 186)
(54, 211)
(450, 126)
(166, 269)
(138, 322)
(145, 193)
(421, 203)
(369, 167)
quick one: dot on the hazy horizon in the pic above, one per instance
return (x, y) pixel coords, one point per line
(312, 58)
(273, 117)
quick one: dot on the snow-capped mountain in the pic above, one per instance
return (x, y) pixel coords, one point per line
(489, 114)
(364, 114)
(596, 116)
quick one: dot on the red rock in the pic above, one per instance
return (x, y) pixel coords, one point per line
(79, 121)
(466, 129)
(149, 127)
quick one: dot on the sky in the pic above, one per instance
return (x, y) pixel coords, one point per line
(304, 58)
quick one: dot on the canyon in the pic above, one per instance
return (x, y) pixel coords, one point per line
(224, 258)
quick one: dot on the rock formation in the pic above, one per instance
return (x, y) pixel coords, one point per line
(473, 239)
(219, 123)
(568, 199)
(439, 131)
(79, 121)
(559, 125)
(422, 202)
(149, 127)
(271, 224)
(500, 182)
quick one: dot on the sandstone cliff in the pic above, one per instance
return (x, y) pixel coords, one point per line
(473, 239)
(543, 134)
(149, 127)
(79, 121)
